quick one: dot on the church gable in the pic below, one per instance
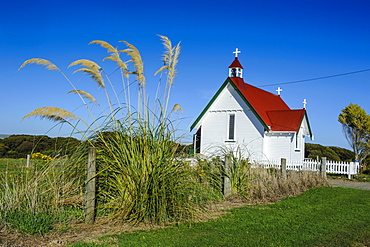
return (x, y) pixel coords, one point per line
(216, 102)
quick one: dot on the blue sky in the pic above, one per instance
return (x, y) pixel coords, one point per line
(281, 41)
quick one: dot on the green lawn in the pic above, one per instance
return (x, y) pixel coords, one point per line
(320, 217)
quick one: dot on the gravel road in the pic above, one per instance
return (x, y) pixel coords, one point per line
(350, 184)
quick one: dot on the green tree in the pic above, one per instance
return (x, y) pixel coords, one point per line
(356, 128)
(314, 151)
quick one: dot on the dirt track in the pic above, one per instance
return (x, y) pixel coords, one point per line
(350, 184)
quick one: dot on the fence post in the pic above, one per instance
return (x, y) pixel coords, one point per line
(90, 187)
(227, 183)
(323, 167)
(352, 168)
(28, 160)
(356, 167)
(283, 168)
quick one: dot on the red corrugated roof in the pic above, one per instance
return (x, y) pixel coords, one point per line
(273, 111)
(236, 64)
(289, 120)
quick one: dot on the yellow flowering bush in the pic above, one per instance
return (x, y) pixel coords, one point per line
(40, 156)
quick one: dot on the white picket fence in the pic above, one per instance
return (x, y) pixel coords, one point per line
(335, 167)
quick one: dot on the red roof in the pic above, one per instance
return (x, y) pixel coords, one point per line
(270, 107)
(289, 120)
(236, 64)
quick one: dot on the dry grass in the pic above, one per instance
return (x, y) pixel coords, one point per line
(268, 185)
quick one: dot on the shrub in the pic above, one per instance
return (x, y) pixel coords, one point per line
(30, 222)
(40, 156)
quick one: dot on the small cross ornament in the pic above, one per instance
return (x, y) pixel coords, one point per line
(236, 52)
(304, 103)
(279, 90)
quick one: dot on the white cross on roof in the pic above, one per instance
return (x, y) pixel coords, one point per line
(304, 103)
(279, 90)
(236, 52)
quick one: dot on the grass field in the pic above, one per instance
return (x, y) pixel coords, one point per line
(324, 216)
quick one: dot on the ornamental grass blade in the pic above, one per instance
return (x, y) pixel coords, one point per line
(177, 108)
(40, 61)
(84, 94)
(161, 69)
(114, 55)
(104, 44)
(52, 113)
(92, 69)
(134, 53)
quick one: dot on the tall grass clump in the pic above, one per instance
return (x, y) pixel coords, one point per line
(33, 198)
(140, 179)
(255, 184)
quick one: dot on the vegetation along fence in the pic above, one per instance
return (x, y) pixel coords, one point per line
(335, 167)
(36, 194)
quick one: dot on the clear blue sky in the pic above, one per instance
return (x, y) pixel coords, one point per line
(281, 41)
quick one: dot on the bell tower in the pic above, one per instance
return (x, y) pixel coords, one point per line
(235, 68)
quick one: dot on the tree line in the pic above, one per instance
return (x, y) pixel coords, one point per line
(18, 146)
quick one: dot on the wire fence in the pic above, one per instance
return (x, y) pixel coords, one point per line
(37, 194)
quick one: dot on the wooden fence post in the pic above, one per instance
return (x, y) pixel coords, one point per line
(227, 183)
(28, 160)
(90, 187)
(283, 168)
(323, 167)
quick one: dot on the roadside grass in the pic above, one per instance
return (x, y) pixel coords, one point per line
(325, 216)
(362, 177)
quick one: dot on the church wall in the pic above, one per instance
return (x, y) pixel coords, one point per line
(278, 145)
(284, 145)
(215, 126)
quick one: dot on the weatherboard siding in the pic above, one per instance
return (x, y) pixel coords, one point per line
(278, 145)
(284, 145)
(215, 126)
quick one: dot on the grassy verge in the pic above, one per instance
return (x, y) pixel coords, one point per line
(324, 216)
(359, 177)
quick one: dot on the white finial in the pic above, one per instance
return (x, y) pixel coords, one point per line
(236, 52)
(279, 90)
(304, 103)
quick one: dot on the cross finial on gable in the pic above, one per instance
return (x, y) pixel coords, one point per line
(236, 52)
(279, 90)
(304, 103)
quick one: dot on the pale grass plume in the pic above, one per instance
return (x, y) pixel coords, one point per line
(92, 69)
(177, 108)
(175, 59)
(84, 94)
(168, 46)
(170, 59)
(114, 55)
(104, 44)
(52, 113)
(40, 61)
(134, 53)
(161, 69)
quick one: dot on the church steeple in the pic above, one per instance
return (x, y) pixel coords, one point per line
(235, 68)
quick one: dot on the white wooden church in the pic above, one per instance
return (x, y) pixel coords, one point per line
(246, 118)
